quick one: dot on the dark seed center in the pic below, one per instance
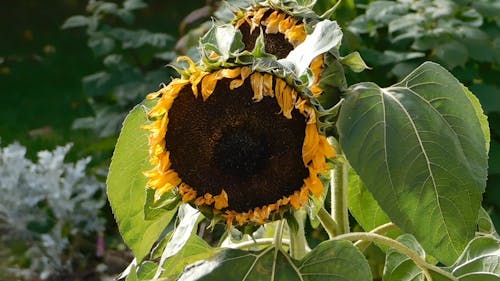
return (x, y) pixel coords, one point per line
(233, 143)
(241, 153)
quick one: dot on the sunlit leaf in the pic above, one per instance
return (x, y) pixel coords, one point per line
(483, 119)
(420, 149)
(481, 259)
(194, 249)
(354, 62)
(326, 36)
(126, 186)
(155, 208)
(485, 224)
(331, 260)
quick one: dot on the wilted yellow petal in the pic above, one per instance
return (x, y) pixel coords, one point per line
(208, 85)
(296, 35)
(256, 81)
(221, 200)
(286, 24)
(272, 22)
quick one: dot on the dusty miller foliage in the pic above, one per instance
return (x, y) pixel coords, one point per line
(44, 204)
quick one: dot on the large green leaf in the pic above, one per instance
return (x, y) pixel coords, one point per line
(331, 260)
(363, 206)
(126, 186)
(480, 260)
(399, 267)
(419, 148)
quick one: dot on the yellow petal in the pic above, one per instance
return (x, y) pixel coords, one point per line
(310, 144)
(272, 22)
(313, 183)
(221, 200)
(286, 24)
(244, 73)
(228, 73)
(208, 85)
(268, 85)
(258, 17)
(296, 35)
(295, 200)
(257, 84)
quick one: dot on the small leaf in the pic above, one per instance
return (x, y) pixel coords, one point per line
(146, 270)
(331, 260)
(75, 21)
(399, 267)
(420, 149)
(134, 4)
(480, 258)
(102, 45)
(354, 62)
(126, 186)
(485, 224)
(223, 40)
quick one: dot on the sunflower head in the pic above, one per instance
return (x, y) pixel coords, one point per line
(280, 28)
(281, 31)
(241, 144)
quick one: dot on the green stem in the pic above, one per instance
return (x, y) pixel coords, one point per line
(381, 229)
(278, 234)
(298, 243)
(258, 242)
(328, 222)
(339, 182)
(328, 14)
(416, 258)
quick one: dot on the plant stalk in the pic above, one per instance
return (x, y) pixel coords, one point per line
(298, 242)
(381, 229)
(328, 223)
(416, 258)
(258, 242)
(278, 234)
(339, 183)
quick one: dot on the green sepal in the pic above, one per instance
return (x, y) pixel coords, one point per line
(224, 40)
(295, 9)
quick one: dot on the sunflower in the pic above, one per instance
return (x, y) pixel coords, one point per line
(282, 32)
(240, 144)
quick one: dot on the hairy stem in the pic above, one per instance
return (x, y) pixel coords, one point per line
(339, 182)
(381, 229)
(278, 234)
(416, 258)
(328, 222)
(298, 243)
(258, 242)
